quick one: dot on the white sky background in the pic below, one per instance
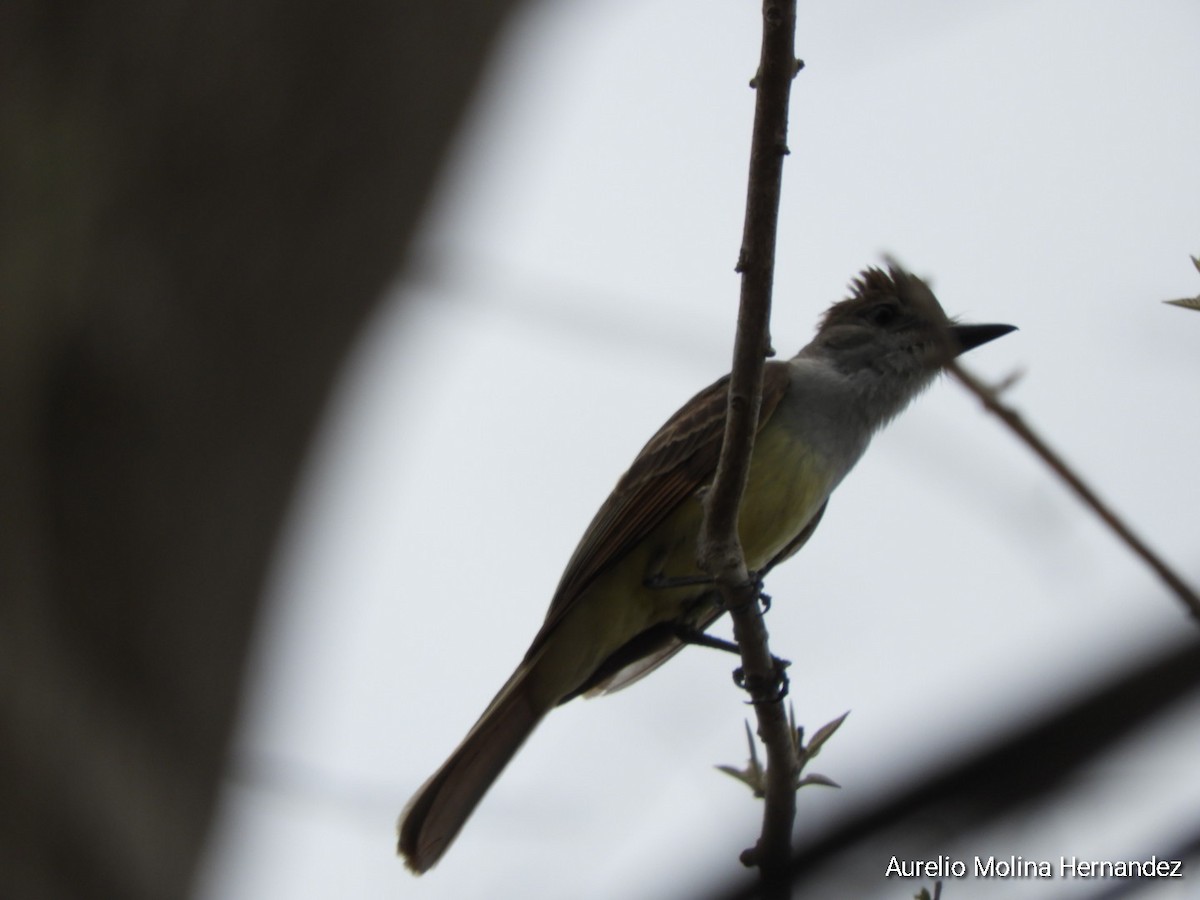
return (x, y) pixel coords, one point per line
(1037, 160)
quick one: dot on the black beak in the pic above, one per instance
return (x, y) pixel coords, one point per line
(968, 337)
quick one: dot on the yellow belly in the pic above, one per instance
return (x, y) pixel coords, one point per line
(787, 486)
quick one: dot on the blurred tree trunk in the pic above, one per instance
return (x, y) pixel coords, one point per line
(199, 203)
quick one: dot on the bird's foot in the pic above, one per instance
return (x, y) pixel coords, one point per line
(702, 639)
(755, 581)
(756, 578)
(769, 689)
(660, 582)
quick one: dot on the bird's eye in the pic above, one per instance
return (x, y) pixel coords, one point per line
(882, 315)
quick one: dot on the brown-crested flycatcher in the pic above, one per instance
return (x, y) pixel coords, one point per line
(632, 593)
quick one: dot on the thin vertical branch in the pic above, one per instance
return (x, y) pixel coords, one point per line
(720, 548)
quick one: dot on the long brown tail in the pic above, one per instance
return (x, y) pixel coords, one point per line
(442, 806)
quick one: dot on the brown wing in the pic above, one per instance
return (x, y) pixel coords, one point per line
(675, 463)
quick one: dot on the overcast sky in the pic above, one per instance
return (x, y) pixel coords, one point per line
(1037, 161)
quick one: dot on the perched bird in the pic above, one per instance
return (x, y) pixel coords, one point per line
(632, 594)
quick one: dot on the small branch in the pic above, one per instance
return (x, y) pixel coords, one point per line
(1013, 420)
(720, 550)
(1189, 302)
(754, 775)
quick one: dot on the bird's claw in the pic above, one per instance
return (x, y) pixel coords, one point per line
(763, 597)
(775, 686)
